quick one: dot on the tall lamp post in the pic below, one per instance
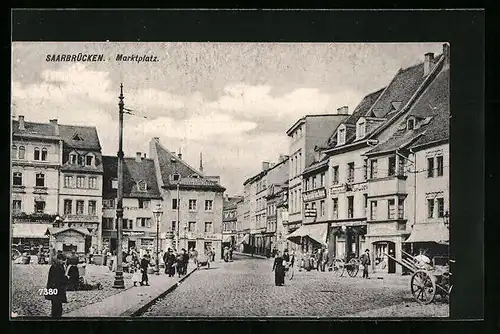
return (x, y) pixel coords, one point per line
(177, 225)
(157, 214)
(119, 283)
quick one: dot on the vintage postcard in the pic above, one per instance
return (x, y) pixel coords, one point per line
(230, 179)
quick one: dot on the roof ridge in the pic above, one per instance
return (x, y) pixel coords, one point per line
(180, 159)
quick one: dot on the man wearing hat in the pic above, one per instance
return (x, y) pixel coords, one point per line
(56, 286)
(365, 261)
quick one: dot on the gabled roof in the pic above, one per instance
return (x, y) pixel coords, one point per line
(316, 165)
(88, 134)
(168, 167)
(32, 128)
(133, 172)
(433, 104)
(231, 203)
(57, 230)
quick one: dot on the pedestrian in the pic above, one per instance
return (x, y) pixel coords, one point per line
(365, 261)
(185, 261)
(279, 270)
(226, 254)
(72, 271)
(136, 273)
(56, 286)
(144, 270)
(231, 253)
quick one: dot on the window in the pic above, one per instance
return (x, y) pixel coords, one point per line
(14, 152)
(79, 207)
(440, 166)
(44, 154)
(68, 181)
(142, 186)
(314, 185)
(174, 225)
(192, 226)
(93, 182)
(341, 136)
(40, 180)
(440, 204)
(22, 152)
(17, 179)
(350, 206)
(392, 166)
(391, 209)
(107, 223)
(401, 166)
(361, 129)
(77, 137)
(322, 180)
(176, 177)
(92, 208)
(80, 181)
(300, 162)
(306, 206)
(108, 203)
(373, 169)
(335, 178)
(373, 210)
(39, 206)
(365, 197)
(192, 204)
(68, 206)
(209, 204)
(430, 208)
(114, 184)
(322, 208)
(130, 224)
(72, 159)
(144, 222)
(36, 154)
(335, 208)
(410, 124)
(350, 172)
(144, 204)
(89, 160)
(430, 167)
(401, 208)
(299, 200)
(16, 206)
(208, 227)
(306, 184)
(174, 204)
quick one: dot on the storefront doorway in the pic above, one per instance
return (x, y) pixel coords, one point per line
(382, 262)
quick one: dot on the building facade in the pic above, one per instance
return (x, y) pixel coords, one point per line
(230, 220)
(193, 202)
(140, 198)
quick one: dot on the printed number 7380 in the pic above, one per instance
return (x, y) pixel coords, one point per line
(47, 292)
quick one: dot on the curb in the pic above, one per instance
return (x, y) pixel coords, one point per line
(137, 311)
(254, 256)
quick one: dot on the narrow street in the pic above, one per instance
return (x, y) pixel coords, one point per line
(246, 287)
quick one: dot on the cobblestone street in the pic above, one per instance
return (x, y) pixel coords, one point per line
(246, 288)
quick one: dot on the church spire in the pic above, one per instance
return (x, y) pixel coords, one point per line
(201, 162)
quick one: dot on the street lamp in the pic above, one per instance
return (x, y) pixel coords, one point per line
(177, 226)
(57, 221)
(157, 214)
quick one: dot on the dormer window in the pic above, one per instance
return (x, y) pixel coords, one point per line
(77, 137)
(175, 177)
(81, 160)
(73, 158)
(114, 184)
(142, 186)
(341, 135)
(195, 176)
(89, 159)
(410, 124)
(361, 128)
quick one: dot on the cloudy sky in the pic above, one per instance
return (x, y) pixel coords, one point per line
(231, 101)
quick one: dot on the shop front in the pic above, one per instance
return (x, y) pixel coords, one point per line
(69, 239)
(310, 237)
(29, 238)
(346, 239)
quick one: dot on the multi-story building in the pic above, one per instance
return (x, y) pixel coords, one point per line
(358, 183)
(36, 156)
(229, 220)
(282, 219)
(193, 201)
(410, 192)
(140, 198)
(307, 133)
(80, 180)
(243, 224)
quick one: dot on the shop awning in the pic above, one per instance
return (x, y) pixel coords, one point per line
(245, 239)
(317, 232)
(30, 230)
(226, 238)
(429, 232)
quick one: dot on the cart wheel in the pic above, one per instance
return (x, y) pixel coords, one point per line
(353, 268)
(338, 267)
(423, 287)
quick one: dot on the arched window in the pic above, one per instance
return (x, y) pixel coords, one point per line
(22, 152)
(14, 152)
(44, 154)
(40, 180)
(36, 154)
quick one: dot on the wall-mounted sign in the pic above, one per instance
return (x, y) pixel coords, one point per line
(337, 189)
(359, 187)
(214, 236)
(310, 213)
(315, 194)
(134, 233)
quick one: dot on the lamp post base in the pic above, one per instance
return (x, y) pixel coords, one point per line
(119, 282)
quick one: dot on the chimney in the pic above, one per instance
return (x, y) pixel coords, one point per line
(428, 63)
(265, 165)
(446, 53)
(156, 139)
(56, 126)
(138, 156)
(144, 157)
(201, 162)
(180, 154)
(21, 123)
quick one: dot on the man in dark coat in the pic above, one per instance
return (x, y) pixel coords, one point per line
(185, 261)
(56, 286)
(73, 273)
(365, 261)
(169, 259)
(144, 270)
(279, 270)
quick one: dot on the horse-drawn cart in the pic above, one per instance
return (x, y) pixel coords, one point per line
(427, 280)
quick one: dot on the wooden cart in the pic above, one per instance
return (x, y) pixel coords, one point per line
(429, 281)
(341, 266)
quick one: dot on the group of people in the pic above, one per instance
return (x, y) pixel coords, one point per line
(176, 262)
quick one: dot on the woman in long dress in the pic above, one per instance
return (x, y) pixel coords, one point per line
(279, 270)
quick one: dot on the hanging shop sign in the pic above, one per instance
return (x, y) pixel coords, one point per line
(314, 194)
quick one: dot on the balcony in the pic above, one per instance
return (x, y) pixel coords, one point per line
(18, 189)
(391, 185)
(40, 190)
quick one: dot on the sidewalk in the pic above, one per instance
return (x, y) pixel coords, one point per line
(250, 255)
(133, 300)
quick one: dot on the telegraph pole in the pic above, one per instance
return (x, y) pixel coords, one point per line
(119, 283)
